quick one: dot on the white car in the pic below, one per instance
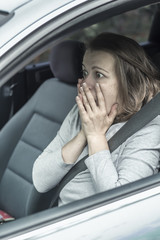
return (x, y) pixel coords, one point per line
(32, 109)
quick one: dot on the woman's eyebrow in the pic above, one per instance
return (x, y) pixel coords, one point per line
(96, 67)
(100, 68)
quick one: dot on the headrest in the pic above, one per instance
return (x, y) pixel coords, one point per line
(66, 61)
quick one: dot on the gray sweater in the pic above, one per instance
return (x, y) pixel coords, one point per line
(136, 158)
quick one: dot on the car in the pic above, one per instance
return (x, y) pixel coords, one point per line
(32, 109)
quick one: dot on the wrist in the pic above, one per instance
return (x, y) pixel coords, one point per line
(97, 143)
(96, 137)
(72, 150)
(82, 136)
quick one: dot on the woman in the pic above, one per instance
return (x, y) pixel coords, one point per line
(117, 81)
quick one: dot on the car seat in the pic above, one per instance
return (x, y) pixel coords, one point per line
(32, 128)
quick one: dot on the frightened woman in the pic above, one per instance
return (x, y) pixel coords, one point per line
(118, 80)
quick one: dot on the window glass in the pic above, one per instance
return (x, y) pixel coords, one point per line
(135, 24)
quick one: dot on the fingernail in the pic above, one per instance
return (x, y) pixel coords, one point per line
(97, 84)
(84, 84)
(77, 97)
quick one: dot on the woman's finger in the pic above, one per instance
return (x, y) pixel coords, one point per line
(113, 112)
(80, 81)
(85, 101)
(79, 84)
(81, 108)
(100, 97)
(89, 96)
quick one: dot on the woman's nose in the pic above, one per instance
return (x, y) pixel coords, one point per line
(89, 81)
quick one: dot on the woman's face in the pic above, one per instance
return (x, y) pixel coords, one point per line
(99, 66)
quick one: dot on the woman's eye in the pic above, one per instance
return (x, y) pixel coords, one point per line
(99, 75)
(85, 73)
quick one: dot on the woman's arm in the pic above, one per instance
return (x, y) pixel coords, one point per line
(58, 158)
(72, 150)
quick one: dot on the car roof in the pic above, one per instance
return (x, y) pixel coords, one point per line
(14, 14)
(10, 5)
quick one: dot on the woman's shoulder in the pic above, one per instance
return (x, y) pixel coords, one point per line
(74, 110)
(154, 123)
(151, 129)
(156, 120)
(147, 137)
(73, 113)
(73, 117)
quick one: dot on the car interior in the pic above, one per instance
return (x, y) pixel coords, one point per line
(32, 129)
(34, 107)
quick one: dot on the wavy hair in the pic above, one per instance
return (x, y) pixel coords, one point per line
(139, 80)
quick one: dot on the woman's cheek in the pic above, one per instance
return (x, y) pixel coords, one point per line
(108, 99)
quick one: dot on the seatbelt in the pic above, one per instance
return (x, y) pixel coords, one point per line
(147, 113)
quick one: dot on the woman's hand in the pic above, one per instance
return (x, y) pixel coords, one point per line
(79, 85)
(94, 118)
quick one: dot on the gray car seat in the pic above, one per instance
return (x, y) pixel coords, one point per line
(25, 136)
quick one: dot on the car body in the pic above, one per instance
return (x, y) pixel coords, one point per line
(28, 29)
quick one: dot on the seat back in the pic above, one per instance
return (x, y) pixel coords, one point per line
(26, 135)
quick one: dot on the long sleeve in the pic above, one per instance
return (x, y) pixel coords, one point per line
(135, 159)
(49, 168)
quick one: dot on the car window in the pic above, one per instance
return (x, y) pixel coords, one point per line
(135, 24)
